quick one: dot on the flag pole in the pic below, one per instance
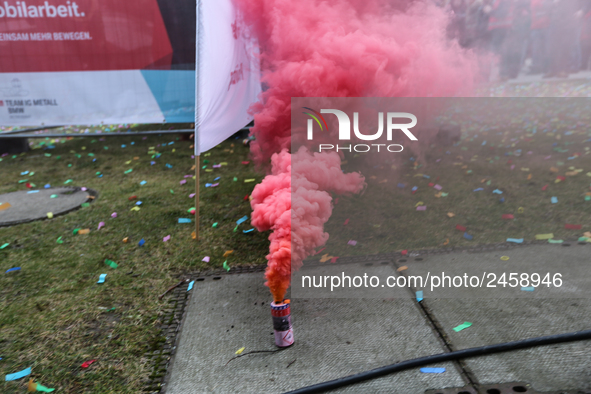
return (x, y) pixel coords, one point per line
(196, 139)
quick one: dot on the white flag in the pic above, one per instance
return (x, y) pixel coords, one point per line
(227, 73)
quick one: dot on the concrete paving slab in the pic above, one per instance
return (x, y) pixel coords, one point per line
(26, 206)
(498, 320)
(333, 338)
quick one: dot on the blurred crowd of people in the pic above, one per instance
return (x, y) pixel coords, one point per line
(549, 37)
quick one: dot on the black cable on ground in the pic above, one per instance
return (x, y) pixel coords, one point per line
(438, 358)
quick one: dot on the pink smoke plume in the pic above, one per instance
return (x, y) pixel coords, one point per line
(335, 48)
(349, 48)
(296, 232)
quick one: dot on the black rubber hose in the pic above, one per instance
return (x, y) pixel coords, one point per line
(438, 358)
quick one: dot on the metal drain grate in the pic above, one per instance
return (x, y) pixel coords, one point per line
(503, 388)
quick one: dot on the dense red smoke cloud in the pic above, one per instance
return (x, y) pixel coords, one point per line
(335, 48)
(349, 48)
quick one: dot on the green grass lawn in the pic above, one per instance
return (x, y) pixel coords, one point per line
(53, 315)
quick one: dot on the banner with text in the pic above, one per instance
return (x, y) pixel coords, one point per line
(89, 61)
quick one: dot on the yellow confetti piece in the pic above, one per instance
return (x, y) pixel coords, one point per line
(50, 215)
(125, 240)
(419, 203)
(136, 158)
(84, 231)
(438, 195)
(544, 236)
(249, 180)
(228, 252)
(451, 214)
(5, 206)
(524, 169)
(135, 209)
(529, 177)
(194, 235)
(325, 258)
(520, 210)
(404, 267)
(446, 241)
(128, 162)
(504, 258)
(239, 351)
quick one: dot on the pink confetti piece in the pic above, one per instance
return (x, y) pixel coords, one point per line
(438, 187)
(437, 161)
(245, 162)
(352, 242)
(192, 195)
(101, 224)
(183, 182)
(206, 259)
(513, 166)
(315, 253)
(189, 176)
(83, 189)
(334, 259)
(215, 184)
(217, 166)
(114, 215)
(346, 222)
(422, 208)
(547, 157)
(166, 239)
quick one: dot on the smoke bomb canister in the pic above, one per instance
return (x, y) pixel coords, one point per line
(281, 314)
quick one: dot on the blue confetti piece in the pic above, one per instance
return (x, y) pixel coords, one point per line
(414, 188)
(248, 231)
(24, 173)
(143, 183)
(184, 220)
(152, 163)
(412, 159)
(142, 242)
(170, 143)
(432, 370)
(208, 184)
(190, 285)
(241, 220)
(419, 295)
(18, 375)
(93, 160)
(132, 143)
(13, 269)
(123, 146)
(554, 200)
(217, 179)
(426, 176)
(468, 236)
(138, 203)
(401, 185)
(168, 165)
(478, 190)
(531, 288)
(32, 191)
(515, 240)
(502, 199)
(102, 278)
(100, 176)
(47, 186)
(497, 191)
